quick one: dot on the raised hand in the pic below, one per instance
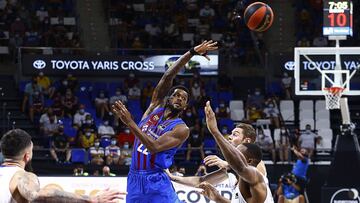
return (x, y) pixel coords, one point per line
(121, 111)
(210, 118)
(213, 160)
(204, 47)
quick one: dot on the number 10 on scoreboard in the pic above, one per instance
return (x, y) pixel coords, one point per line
(338, 16)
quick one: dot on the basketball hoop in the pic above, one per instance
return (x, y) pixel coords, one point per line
(332, 97)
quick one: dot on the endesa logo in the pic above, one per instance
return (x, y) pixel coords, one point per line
(39, 64)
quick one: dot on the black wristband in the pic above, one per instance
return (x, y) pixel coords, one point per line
(193, 52)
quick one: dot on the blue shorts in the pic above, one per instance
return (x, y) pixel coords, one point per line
(150, 187)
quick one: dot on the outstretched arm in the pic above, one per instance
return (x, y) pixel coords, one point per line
(210, 192)
(167, 141)
(193, 181)
(232, 155)
(298, 154)
(29, 187)
(166, 80)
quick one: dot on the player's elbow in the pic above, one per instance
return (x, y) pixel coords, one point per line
(153, 149)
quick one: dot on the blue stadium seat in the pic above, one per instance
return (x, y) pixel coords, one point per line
(113, 86)
(79, 155)
(226, 96)
(70, 132)
(22, 85)
(105, 141)
(209, 143)
(97, 121)
(48, 102)
(275, 88)
(67, 122)
(226, 122)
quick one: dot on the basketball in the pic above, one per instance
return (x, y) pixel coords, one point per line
(258, 16)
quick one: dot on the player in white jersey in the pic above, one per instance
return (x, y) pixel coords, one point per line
(252, 186)
(18, 185)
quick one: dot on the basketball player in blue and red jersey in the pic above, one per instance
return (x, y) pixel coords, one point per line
(158, 135)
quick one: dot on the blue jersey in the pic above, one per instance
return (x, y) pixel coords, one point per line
(154, 126)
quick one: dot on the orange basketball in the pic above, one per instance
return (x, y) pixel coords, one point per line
(258, 16)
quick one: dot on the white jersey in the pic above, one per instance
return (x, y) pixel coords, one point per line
(236, 194)
(6, 174)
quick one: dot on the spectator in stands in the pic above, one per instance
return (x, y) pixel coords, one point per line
(182, 170)
(196, 141)
(201, 171)
(190, 117)
(106, 130)
(45, 118)
(57, 105)
(126, 154)
(307, 140)
(207, 12)
(271, 112)
(118, 96)
(320, 40)
(97, 153)
(70, 103)
(137, 43)
(283, 144)
(203, 29)
(79, 171)
(153, 30)
(291, 186)
(101, 104)
(50, 129)
(224, 83)
(29, 91)
(229, 46)
(87, 139)
(174, 171)
(80, 116)
(222, 111)
(265, 141)
(125, 136)
(146, 94)
(42, 14)
(171, 33)
(303, 42)
(196, 93)
(254, 113)
(18, 27)
(255, 100)
(60, 146)
(89, 124)
(130, 81)
(134, 92)
(70, 82)
(45, 84)
(112, 153)
(106, 171)
(286, 83)
(37, 106)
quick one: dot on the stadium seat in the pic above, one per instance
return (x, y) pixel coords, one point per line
(113, 86)
(288, 115)
(322, 123)
(236, 104)
(286, 105)
(105, 141)
(326, 142)
(305, 122)
(209, 143)
(226, 122)
(237, 114)
(70, 131)
(320, 105)
(79, 155)
(225, 96)
(306, 105)
(306, 113)
(277, 134)
(287, 110)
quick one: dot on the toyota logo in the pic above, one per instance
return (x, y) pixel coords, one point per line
(290, 65)
(39, 64)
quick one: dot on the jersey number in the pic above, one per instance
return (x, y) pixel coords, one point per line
(144, 150)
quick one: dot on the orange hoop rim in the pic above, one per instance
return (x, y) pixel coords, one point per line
(334, 90)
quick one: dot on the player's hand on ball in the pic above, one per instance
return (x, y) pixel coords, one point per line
(209, 191)
(213, 160)
(210, 118)
(108, 196)
(204, 47)
(121, 111)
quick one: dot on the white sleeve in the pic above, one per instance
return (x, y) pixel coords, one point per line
(107, 151)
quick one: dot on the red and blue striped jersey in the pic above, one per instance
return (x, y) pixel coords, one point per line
(154, 126)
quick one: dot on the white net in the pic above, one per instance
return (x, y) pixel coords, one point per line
(332, 97)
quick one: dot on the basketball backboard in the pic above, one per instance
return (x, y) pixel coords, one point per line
(314, 65)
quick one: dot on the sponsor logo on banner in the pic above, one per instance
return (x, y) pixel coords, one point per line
(39, 64)
(114, 65)
(92, 185)
(346, 195)
(290, 65)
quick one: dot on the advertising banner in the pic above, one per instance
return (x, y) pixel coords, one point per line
(108, 65)
(91, 185)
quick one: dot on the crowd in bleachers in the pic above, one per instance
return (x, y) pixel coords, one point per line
(37, 23)
(181, 24)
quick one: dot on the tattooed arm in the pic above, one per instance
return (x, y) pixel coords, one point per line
(29, 187)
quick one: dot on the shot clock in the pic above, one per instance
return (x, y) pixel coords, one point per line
(338, 18)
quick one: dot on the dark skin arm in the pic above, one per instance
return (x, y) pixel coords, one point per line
(166, 81)
(298, 154)
(232, 155)
(167, 141)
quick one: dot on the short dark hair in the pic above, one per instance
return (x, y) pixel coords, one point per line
(253, 152)
(172, 90)
(248, 131)
(14, 142)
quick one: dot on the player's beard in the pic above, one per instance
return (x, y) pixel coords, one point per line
(174, 111)
(28, 167)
